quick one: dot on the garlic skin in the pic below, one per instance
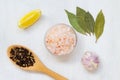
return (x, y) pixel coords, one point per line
(90, 61)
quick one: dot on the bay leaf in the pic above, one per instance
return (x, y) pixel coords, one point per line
(73, 21)
(99, 25)
(81, 14)
(89, 22)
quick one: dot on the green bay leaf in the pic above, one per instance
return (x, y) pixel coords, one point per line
(73, 21)
(99, 25)
(89, 22)
(80, 15)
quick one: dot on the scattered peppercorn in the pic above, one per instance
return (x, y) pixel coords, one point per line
(22, 57)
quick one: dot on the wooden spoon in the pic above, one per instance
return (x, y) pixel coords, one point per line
(37, 66)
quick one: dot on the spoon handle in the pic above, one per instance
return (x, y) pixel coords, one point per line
(53, 74)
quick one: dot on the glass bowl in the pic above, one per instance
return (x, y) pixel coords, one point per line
(60, 39)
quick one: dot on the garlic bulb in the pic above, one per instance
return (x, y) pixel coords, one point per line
(90, 61)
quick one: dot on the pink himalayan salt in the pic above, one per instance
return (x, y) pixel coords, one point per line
(60, 39)
(90, 61)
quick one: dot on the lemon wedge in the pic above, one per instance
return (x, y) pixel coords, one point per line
(29, 19)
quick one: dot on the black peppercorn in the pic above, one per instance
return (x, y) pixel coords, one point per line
(22, 57)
